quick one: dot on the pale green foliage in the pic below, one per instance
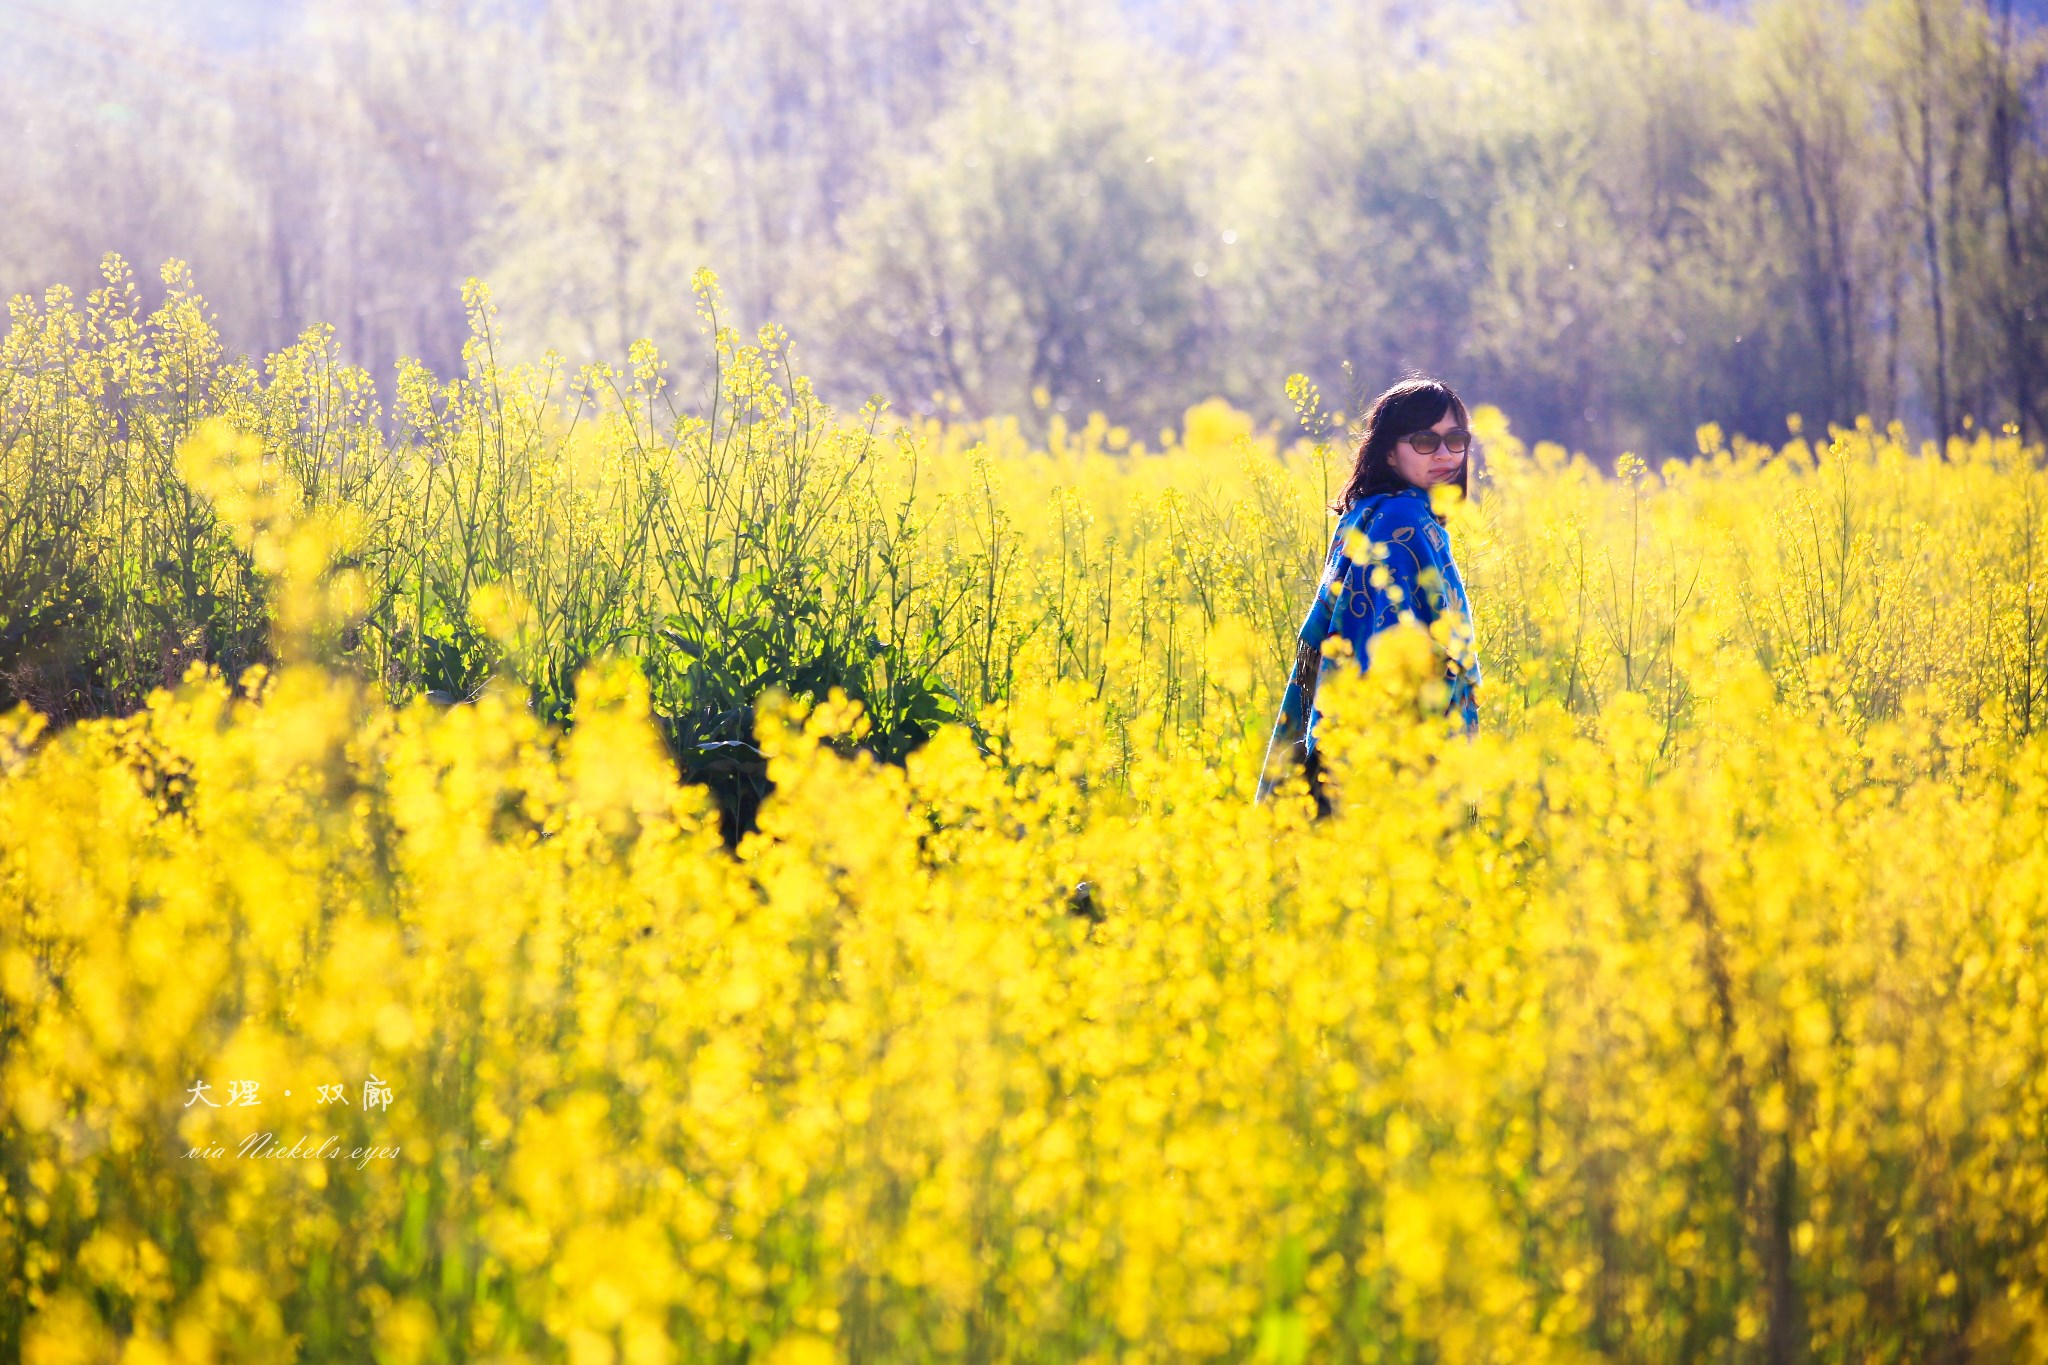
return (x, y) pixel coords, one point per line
(1616, 218)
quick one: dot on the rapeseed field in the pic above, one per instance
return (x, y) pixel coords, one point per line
(373, 986)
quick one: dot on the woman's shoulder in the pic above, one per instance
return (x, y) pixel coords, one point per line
(1391, 511)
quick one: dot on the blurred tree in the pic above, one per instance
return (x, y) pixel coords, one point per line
(1952, 89)
(822, 101)
(1804, 115)
(1039, 247)
(1603, 315)
(1914, 50)
(2019, 175)
(410, 102)
(619, 200)
(1363, 228)
(114, 144)
(1552, 317)
(2000, 233)
(1617, 218)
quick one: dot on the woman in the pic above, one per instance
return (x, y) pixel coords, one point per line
(1416, 437)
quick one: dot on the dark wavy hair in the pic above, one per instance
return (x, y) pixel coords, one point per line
(1415, 404)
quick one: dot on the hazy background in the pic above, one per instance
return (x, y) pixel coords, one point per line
(1616, 218)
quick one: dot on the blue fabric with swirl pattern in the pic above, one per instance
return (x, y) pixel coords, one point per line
(1421, 582)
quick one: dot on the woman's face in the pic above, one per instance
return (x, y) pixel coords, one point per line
(1440, 466)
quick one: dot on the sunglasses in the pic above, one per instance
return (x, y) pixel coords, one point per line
(1457, 440)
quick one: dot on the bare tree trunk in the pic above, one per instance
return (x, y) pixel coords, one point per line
(2018, 344)
(1937, 294)
(1894, 325)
